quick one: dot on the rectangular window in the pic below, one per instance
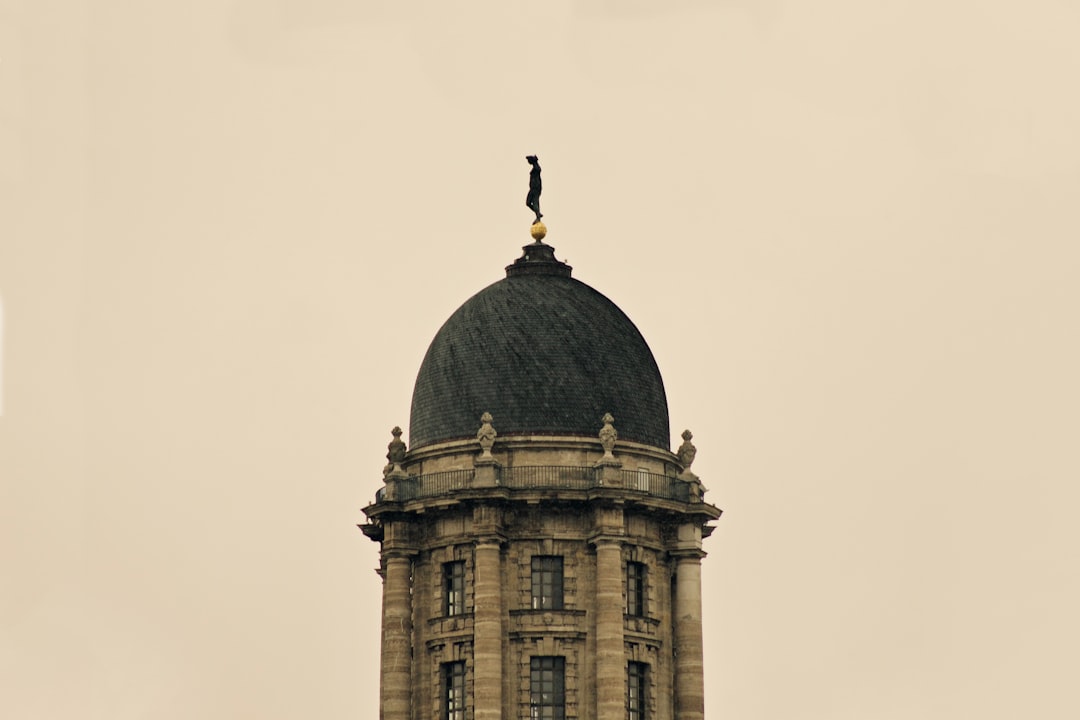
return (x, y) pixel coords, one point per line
(635, 691)
(547, 582)
(453, 691)
(635, 589)
(547, 688)
(453, 588)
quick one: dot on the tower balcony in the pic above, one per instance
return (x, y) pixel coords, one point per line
(516, 480)
(538, 469)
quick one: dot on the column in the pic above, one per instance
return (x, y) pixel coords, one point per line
(394, 690)
(487, 631)
(610, 655)
(689, 665)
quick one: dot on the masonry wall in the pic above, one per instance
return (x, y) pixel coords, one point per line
(525, 530)
(495, 531)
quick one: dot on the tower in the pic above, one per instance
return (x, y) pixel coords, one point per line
(541, 545)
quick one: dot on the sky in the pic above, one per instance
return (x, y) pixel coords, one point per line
(848, 231)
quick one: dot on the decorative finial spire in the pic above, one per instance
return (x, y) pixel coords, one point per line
(687, 452)
(395, 454)
(532, 200)
(608, 435)
(486, 435)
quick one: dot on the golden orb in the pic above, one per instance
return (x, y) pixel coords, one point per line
(538, 231)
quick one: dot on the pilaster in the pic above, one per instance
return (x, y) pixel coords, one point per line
(608, 523)
(689, 660)
(488, 616)
(396, 655)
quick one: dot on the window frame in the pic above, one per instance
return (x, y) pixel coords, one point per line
(547, 591)
(453, 691)
(547, 687)
(637, 700)
(637, 587)
(642, 479)
(453, 588)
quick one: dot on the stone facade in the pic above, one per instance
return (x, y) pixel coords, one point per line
(618, 535)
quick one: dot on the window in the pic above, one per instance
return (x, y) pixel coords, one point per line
(635, 691)
(453, 694)
(635, 588)
(453, 588)
(547, 696)
(547, 585)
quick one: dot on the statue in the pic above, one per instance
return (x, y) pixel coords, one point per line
(486, 435)
(532, 200)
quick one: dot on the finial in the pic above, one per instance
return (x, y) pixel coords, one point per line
(608, 435)
(538, 231)
(532, 200)
(395, 453)
(486, 436)
(687, 452)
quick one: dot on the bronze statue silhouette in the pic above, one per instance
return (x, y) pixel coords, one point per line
(532, 200)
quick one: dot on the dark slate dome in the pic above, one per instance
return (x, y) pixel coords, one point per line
(544, 354)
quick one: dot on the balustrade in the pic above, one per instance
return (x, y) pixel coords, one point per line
(538, 477)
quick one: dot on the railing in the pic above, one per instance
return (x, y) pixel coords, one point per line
(432, 484)
(548, 476)
(655, 484)
(538, 478)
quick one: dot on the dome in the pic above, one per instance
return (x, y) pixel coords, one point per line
(545, 354)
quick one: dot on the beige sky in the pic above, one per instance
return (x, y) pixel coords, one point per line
(848, 230)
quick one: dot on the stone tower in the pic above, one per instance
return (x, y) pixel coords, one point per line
(540, 543)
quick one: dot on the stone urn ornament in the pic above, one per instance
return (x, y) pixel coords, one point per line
(486, 436)
(686, 452)
(608, 435)
(395, 454)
